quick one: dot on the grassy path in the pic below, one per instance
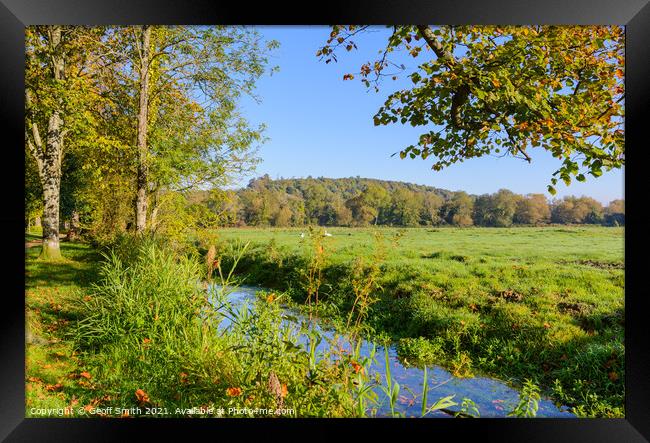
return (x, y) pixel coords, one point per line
(55, 378)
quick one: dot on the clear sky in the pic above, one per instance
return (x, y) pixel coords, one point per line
(319, 125)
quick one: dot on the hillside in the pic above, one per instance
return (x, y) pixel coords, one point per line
(357, 201)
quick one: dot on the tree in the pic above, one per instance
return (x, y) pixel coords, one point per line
(54, 93)
(615, 213)
(504, 89)
(376, 197)
(362, 212)
(431, 206)
(187, 80)
(616, 207)
(283, 216)
(33, 192)
(458, 210)
(577, 210)
(496, 209)
(532, 209)
(406, 208)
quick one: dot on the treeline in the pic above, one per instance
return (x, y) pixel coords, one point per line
(364, 202)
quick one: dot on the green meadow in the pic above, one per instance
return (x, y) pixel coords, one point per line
(545, 304)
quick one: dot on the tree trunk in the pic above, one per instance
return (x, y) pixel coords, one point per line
(141, 203)
(52, 185)
(73, 232)
(49, 157)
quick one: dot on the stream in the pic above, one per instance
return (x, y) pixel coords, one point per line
(493, 398)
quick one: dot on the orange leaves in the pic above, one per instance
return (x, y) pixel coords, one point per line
(146, 341)
(613, 376)
(270, 298)
(496, 82)
(357, 367)
(348, 77)
(546, 325)
(85, 375)
(183, 377)
(55, 387)
(619, 73)
(284, 391)
(233, 392)
(141, 396)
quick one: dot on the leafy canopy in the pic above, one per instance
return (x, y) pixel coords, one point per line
(503, 90)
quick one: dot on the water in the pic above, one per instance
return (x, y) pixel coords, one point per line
(492, 397)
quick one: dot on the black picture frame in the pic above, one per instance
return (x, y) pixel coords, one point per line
(16, 14)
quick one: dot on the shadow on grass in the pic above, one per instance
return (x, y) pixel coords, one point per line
(77, 268)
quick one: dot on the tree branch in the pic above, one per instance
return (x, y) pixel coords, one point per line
(428, 35)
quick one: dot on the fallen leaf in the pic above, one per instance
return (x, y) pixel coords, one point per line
(141, 396)
(56, 387)
(613, 376)
(233, 392)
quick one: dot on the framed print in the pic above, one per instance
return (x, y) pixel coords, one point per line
(258, 217)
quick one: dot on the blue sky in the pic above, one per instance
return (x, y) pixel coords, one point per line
(320, 125)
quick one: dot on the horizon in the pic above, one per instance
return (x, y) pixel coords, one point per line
(307, 103)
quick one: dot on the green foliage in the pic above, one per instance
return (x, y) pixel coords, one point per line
(528, 401)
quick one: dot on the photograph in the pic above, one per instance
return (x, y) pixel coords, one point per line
(324, 221)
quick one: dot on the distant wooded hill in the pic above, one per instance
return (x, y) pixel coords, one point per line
(360, 201)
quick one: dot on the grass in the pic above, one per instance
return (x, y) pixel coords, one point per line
(544, 304)
(535, 306)
(51, 292)
(136, 334)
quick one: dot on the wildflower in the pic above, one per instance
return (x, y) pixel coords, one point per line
(357, 367)
(270, 298)
(233, 392)
(85, 375)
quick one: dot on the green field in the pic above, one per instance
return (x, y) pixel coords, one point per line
(545, 304)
